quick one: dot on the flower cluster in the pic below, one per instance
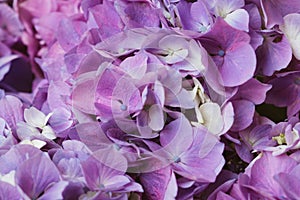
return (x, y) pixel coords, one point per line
(149, 99)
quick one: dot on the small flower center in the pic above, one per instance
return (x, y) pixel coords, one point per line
(123, 107)
(202, 29)
(221, 53)
(280, 139)
(176, 159)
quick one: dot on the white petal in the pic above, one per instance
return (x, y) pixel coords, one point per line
(176, 56)
(34, 117)
(9, 178)
(25, 131)
(47, 118)
(38, 143)
(173, 42)
(213, 120)
(238, 19)
(291, 29)
(48, 133)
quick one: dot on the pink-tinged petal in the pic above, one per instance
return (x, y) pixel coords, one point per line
(39, 8)
(10, 26)
(273, 55)
(138, 14)
(116, 95)
(87, 4)
(135, 66)
(238, 19)
(107, 19)
(156, 183)
(291, 30)
(243, 114)
(69, 33)
(253, 91)
(47, 26)
(225, 35)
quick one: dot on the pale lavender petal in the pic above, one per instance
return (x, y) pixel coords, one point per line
(135, 66)
(137, 14)
(107, 19)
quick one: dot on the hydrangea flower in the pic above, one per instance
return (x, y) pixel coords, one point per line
(149, 99)
(35, 125)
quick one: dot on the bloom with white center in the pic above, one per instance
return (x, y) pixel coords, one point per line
(209, 114)
(35, 125)
(175, 51)
(288, 140)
